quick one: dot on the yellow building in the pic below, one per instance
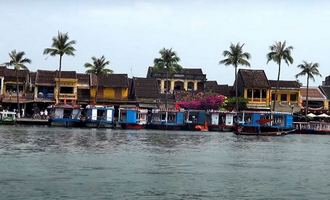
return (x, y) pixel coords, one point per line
(67, 87)
(288, 98)
(188, 79)
(111, 88)
(253, 85)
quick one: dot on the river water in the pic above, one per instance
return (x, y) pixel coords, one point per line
(72, 163)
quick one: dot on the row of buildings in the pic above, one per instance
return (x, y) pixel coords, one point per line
(39, 89)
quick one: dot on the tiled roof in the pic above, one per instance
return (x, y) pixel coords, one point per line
(326, 91)
(145, 88)
(211, 86)
(83, 79)
(192, 71)
(284, 84)
(10, 75)
(2, 70)
(45, 77)
(33, 77)
(226, 90)
(253, 78)
(314, 93)
(184, 73)
(67, 74)
(113, 80)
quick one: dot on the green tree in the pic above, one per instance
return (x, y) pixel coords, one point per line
(169, 61)
(310, 70)
(235, 57)
(61, 46)
(278, 52)
(230, 103)
(18, 61)
(98, 67)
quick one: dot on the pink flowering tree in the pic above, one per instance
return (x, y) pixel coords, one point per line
(207, 103)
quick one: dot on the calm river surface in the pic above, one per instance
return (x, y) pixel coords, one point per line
(64, 163)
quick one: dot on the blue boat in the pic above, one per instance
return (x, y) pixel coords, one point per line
(65, 115)
(264, 123)
(99, 117)
(195, 120)
(221, 120)
(133, 118)
(167, 120)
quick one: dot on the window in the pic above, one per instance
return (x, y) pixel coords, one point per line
(66, 90)
(263, 94)
(273, 97)
(293, 97)
(284, 97)
(249, 93)
(256, 94)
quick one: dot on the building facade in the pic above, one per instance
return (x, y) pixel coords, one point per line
(188, 79)
(288, 98)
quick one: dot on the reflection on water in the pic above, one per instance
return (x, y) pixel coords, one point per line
(65, 163)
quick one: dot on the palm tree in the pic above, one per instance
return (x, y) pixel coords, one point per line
(98, 67)
(311, 70)
(169, 61)
(61, 46)
(235, 57)
(278, 52)
(18, 61)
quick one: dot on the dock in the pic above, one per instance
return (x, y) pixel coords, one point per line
(31, 121)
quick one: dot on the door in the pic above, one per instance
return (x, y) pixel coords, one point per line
(215, 119)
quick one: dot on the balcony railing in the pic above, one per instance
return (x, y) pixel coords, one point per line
(68, 96)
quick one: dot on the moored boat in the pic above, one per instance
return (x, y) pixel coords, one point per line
(7, 117)
(312, 127)
(195, 120)
(167, 120)
(65, 115)
(132, 118)
(98, 117)
(221, 120)
(264, 123)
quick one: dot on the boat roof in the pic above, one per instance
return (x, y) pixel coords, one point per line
(67, 106)
(266, 112)
(99, 107)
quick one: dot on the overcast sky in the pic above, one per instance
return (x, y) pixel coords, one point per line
(130, 33)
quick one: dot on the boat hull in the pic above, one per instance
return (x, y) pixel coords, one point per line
(98, 124)
(65, 122)
(132, 126)
(261, 131)
(165, 127)
(221, 128)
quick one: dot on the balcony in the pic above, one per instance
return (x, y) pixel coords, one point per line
(67, 96)
(11, 97)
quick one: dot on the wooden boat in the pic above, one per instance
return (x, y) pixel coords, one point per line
(167, 120)
(132, 118)
(221, 120)
(264, 123)
(98, 117)
(65, 115)
(312, 127)
(7, 117)
(195, 120)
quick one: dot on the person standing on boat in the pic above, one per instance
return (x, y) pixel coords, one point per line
(46, 114)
